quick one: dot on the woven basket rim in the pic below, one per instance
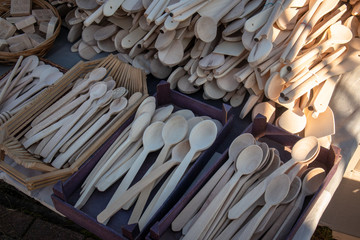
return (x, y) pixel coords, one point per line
(42, 48)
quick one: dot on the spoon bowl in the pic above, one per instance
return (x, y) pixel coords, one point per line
(294, 190)
(203, 135)
(161, 114)
(313, 180)
(305, 149)
(175, 130)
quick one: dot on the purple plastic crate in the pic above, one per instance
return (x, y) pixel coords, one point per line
(274, 137)
(66, 193)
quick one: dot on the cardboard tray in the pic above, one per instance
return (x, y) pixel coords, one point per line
(66, 194)
(19, 124)
(274, 137)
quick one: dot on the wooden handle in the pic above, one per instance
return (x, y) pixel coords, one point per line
(251, 226)
(234, 225)
(63, 157)
(179, 172)
(118, 203)
(194, 205)
(12, 75)
(19, 76)
(129, 177)
(210, 212)
(142, 199)
(65, 128)
(120, 168)
(47, 131)
(57, 115)
(290, 219)
(90, 186)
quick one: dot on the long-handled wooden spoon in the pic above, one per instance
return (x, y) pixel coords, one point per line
(247, 162)
(136, 131)
(178, 154)
(201, 137)
(95, 75)
(96, 92)
(172, 133)
(115, 107)
(152, 141)
(304, 150)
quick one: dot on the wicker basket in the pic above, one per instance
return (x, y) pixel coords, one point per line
(40, 50)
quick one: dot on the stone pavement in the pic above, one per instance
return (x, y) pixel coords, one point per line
(22, 217)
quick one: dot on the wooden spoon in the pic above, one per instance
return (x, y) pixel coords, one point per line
(201, 137)
(275, 193)
(97, 91)
(95, 75)
(136, 131)
(310, 185)
(237, 145)
(247, 162)
(161, 114)
(186, 113)
(115, 107)
(304, 150)
(269, 219)
(178, 153)
(56, 115)
(152, 141)
(172, 133)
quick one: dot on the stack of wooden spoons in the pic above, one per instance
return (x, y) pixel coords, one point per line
(179, 134)
(27, 79)
(289, 52)
(252, 195)
(62, 131)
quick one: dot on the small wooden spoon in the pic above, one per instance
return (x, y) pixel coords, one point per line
(96, 92)
(95, 75)
(275, 193)
(45, 81)
(247, 162)
(304, 150)
(115, 107)
(269, 219)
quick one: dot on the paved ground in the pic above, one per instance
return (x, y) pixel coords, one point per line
(21, 217)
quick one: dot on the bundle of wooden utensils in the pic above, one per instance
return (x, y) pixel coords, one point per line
(179, 136)
(291, 52)
(25, 28)
(252, 195)
(63, 130)
(27, 79)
